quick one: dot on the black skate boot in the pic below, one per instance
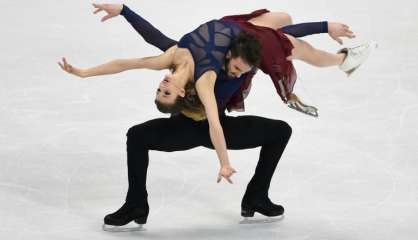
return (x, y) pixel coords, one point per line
(115, 222)
(262, 205)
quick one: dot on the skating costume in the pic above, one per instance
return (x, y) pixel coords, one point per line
(209, 44)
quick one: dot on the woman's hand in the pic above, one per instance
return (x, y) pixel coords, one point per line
(226, 172)
(112, 10)
(70, 69)
(338, 30)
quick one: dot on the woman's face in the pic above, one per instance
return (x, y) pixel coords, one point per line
(168, 89)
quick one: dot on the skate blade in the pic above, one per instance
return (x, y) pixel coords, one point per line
(374, 45)
(308, 110)
(349, 73)
(247, 220)
(125, 228)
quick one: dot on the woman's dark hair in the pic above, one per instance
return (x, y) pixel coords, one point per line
(247, 47)
(190, 102)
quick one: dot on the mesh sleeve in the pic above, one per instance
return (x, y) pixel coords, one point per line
(150, 34)
(305, 29)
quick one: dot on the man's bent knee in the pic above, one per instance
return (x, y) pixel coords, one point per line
(284, 129)
(137, 134)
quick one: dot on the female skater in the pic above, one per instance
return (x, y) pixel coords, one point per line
(261, 24)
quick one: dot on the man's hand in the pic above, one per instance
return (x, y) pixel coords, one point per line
(112, 10)
(338, 30)
(70, 69)
(226, 172)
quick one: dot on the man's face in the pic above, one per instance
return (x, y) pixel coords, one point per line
(235, 67)
(167, 90)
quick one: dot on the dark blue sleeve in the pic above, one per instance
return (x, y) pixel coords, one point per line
(150, 34)
(305, 29)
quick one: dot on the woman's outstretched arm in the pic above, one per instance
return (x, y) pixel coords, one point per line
(144, 28)
(163, 61)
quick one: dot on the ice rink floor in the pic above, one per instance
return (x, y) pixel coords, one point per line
(349, 175)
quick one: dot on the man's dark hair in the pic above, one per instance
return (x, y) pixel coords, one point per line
(190, 101)
(247, 47)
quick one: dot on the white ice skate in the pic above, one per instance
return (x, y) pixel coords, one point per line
(297, 105)
(356, 56)
(130, 227)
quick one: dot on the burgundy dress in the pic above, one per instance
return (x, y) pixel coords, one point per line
(275, 48)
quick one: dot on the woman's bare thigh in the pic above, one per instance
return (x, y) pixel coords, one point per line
(274, 20)
(300, 48)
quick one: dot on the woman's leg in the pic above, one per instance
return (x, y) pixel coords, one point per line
(302, 50)
(274, 20)
(305, 52)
